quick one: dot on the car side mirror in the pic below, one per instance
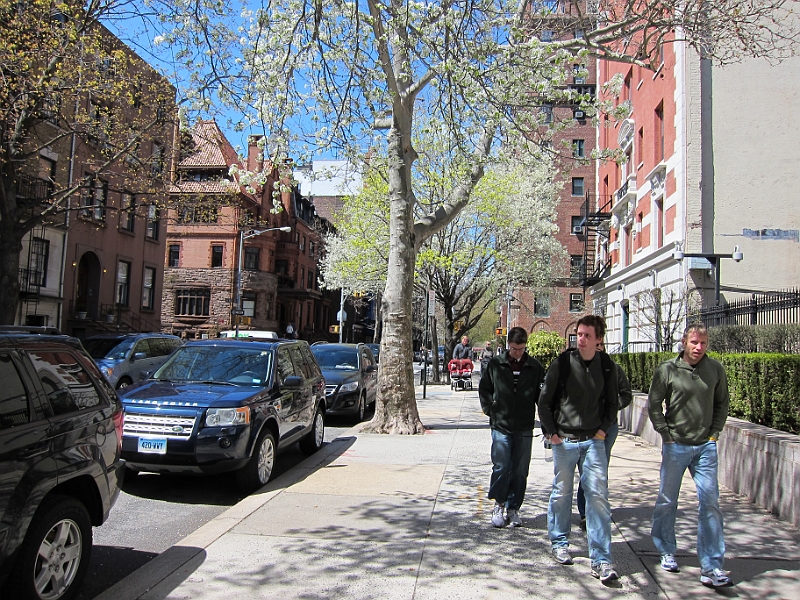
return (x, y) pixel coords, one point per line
(138, 356)
(292, 381)
(370, 369)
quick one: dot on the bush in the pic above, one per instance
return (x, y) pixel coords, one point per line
(783, 339)
(545, 346)
(764, 388)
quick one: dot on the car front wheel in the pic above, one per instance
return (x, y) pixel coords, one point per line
(54, 557)
(258, 470)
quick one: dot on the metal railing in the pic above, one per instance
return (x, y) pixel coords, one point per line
(767, 308)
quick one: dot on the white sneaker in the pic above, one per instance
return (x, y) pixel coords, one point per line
(715, 578)
(498, 520)
(514, 519)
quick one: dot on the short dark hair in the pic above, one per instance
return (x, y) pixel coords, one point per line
(517, 335)
(596, 321)
(695, 326)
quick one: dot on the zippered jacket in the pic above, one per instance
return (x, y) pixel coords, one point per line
(511, 409)
(689, 404)
(589, 402)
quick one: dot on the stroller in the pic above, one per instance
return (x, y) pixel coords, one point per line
(460, 373)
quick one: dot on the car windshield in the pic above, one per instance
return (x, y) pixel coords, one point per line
(345, 359)
(114, 348)
(217, 364)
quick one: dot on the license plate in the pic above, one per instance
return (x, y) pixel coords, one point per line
(153, 445)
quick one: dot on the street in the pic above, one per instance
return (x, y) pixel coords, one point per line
(154, 512)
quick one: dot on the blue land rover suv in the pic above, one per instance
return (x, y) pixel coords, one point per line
(225, 405)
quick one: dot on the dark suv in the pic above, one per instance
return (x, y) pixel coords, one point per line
(60, 466)
(225, 405)
(351, 377)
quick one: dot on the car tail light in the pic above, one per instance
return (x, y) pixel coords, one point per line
(119, 422)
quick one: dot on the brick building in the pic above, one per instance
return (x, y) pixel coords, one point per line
(209, 208)
(98, 265)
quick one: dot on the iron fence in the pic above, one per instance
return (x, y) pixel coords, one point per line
(767, 308)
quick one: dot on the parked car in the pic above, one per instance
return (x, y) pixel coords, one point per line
(351, 378)
(376, 351)
(126, 359)
(60, 466)
(225, 405)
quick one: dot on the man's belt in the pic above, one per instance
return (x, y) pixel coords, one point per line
(576, 438)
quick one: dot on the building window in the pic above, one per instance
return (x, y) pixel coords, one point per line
(152, 222)
(576, 225)
(303, 244)
(198, 214)
(149, 288)
(126, 213)
(157, 160)
(249, 304)
(575, 302)
(310, 249)
(281, 267)
(37, 266)
(123, 282)
(578, 148)
(547, 35)
(573, 340)
(541, 306)
(658, 117)
(577, 186)
(193, 302)
(576, 266)
(95, 198)
(546, 112)
(302, 276)
(251, 256)
(310, 285)
(216, 257)
(174, 255)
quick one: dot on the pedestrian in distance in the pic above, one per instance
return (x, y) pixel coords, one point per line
(509, 390)
(487, 354)
(576, 410)
(688, 406)
(625, 396)
(463, 349)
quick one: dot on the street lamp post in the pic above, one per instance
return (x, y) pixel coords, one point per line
(737, 256)
(237, 310)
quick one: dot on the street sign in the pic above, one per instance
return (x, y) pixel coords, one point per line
(237, 312)
(431, 303)
(333, 329)
(341, 316)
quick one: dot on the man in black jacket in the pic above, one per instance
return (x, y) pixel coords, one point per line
(509, 390)
(576, 410)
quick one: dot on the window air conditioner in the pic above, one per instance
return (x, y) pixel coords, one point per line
(579, 114)
(577, 229)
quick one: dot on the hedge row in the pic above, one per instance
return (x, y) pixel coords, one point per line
(764, 388)
(755, 338)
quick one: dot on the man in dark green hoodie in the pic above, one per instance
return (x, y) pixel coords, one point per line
(509, 391)
(688, 406)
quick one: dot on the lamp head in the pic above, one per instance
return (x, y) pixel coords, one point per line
(737, 254)
(285, 229)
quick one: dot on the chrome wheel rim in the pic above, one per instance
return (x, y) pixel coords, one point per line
(319, 430)
(58, 560)
(266, 459)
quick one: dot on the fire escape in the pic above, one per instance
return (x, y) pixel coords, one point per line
(595, 221)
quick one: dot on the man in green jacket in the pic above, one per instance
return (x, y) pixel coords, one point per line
(509, 391)
(688, 406)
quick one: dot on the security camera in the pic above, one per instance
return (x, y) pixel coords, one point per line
(737, 254)
(677, 254)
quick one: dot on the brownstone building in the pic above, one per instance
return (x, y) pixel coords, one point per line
(211, 212)
(96, 264)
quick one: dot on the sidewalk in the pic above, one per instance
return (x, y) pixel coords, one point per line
(406, 517)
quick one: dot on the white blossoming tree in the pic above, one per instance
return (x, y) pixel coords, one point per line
(481, 68)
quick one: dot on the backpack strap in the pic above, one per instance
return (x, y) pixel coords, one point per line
(563, 372)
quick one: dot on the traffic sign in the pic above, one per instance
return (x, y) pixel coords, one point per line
(237, 312)
(333, 329)
(501, 331)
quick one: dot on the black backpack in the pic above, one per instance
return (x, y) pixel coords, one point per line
(606, 363)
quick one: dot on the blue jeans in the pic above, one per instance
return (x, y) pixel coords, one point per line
(511, 459)
(702, 464)
(611, 437)
(590, 458)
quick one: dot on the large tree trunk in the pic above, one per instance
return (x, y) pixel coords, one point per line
(10, 248)
(396, 404)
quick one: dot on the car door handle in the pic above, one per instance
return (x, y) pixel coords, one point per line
(36, 450)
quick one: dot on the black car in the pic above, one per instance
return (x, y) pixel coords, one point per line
(376, 352)
(225, 405)
(351, 377)
(60, 466)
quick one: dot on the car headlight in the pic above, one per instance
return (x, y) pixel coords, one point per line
(107, 371)
(349, 387)
(217, 417)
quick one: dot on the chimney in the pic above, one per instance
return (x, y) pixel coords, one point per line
(255, 157)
